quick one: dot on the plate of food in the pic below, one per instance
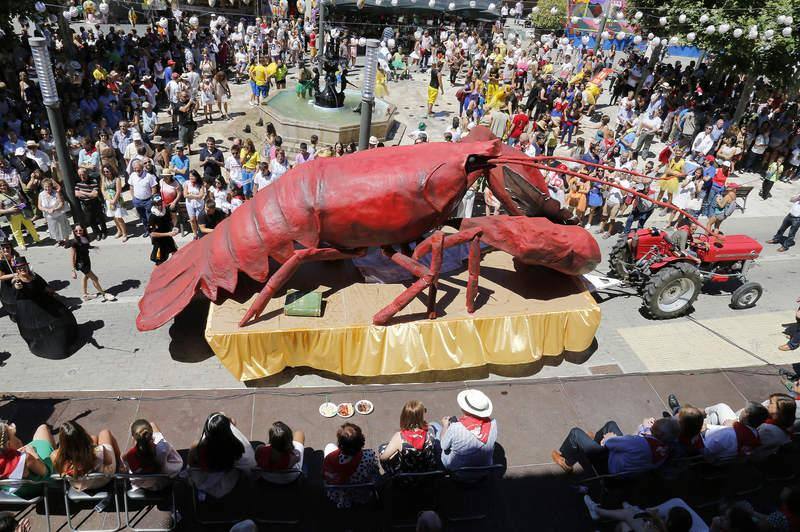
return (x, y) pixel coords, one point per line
(328, 409)
(345, 410)
(364, 407)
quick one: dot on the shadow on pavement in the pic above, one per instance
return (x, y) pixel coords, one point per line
(187, 342)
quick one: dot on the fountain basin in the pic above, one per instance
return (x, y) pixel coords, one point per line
(297, 119)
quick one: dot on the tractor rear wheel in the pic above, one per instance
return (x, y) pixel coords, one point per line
(619, 257)
(671, 292)
(746, 296)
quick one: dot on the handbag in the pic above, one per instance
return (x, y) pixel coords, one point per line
(595, 198)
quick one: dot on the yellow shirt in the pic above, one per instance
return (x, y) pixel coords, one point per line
(259, 75)
(249, 163)
(99, 74)
(271, 69)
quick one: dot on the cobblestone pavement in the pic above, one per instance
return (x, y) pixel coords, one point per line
(176, 356)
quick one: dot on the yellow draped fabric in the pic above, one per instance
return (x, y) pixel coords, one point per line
(520, 318)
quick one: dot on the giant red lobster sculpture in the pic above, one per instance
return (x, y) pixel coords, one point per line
(330, 209)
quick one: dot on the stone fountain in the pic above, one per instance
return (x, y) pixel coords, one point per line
(329, 114)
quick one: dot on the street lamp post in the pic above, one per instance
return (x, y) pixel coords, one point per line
(47, 84)
(368, 93)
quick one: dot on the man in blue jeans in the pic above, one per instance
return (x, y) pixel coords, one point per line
(143, 185)
(642, 208)
(791, 222)
(610, 451)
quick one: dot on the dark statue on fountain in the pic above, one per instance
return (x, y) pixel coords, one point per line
(329, 96)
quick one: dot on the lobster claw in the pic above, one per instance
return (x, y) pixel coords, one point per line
(531, 201)
(568, 249)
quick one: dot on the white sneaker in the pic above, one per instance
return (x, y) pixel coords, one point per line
(109, 297)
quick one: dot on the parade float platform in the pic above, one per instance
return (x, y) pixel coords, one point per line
(520, 317)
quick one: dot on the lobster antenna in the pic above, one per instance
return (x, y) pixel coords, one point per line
(534, 164)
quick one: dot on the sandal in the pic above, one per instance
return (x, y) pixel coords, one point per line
(125, 238)
(88, 297)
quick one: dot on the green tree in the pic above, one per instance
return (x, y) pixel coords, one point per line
(542, 18)
(11, 9)
(775, 58)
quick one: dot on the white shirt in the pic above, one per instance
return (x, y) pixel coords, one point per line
(234, 169)
(41, 159)
(173, 90)
(795, 210)
(703, 143)
(615, 195)
(277, 169)
(142, 185)
(721, 442)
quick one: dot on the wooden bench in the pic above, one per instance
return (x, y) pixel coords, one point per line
(741, 194)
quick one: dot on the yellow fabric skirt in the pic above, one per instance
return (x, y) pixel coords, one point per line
(669, 185)
(520, 318)
(432, 95)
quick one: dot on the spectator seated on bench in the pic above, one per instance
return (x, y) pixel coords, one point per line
(672, 516)
(414, 448)
(741, 438)
(19, 461)
(347, 462)
(468, 441)
(80, 454)
(151, 454)
(282, 454)
(609, 451)
(220, 457)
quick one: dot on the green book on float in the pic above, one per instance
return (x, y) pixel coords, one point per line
(299, 303)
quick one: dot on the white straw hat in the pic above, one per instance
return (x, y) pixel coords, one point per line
(475, 402)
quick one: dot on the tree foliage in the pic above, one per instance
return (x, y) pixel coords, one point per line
(777, 58)
(542, 18)
(11, 9)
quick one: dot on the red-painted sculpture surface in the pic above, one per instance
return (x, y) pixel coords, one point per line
(336, 208)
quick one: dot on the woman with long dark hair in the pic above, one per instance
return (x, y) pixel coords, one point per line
(220, 456)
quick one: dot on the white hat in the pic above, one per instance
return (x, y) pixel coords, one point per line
(19, 151)
(373, 140)
(475, 402)
(146, 105)
(136, 136)
(726, 163)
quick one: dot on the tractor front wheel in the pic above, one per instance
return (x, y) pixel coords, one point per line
(620, 259)
(671, 292)
(746, 296)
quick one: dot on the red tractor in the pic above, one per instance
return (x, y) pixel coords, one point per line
(669, 267)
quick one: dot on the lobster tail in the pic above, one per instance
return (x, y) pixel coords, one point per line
(206, 263)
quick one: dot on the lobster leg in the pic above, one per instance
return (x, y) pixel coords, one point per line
(287, 269)
(427, 279)
(472, 236)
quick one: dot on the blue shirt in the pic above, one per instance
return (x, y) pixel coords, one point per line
(461, 448)
(628, 454)
(181, 167)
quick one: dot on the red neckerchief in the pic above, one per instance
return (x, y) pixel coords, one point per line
(746, 439)
(771, 421)
(8, 462)
(415, 437)
(136, 465)
(335, 471)
(658, 450)
(281, 463)
(478, 426)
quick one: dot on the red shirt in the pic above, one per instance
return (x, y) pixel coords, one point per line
(519, 123)
(719, 178)
(312, 40)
